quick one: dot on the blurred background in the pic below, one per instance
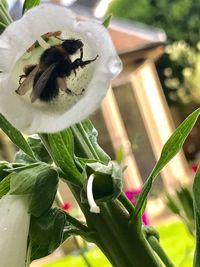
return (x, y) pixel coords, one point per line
(159, 45)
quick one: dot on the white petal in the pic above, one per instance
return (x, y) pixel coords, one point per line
(94, 78)
(14, 227)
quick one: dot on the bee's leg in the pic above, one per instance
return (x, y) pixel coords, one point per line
(59, 38)
(22, 77)
(81, 59)
(80, 63)
(86, 62)
(27, 70)
(26, 85)
(81, 53)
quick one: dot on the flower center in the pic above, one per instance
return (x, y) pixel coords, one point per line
(54, 73)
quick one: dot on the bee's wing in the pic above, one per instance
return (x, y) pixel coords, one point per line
(27, 84)
(41, 83)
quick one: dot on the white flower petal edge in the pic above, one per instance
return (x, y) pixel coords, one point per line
(20, 35)
(14, 228)
(93, 206)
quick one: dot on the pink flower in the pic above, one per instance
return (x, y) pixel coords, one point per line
(66, 206)
(195, 167)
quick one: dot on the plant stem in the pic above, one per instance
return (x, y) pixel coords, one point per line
(87, 263)
(154, 243)
(127, 204)
(83, 141)
(123, 245)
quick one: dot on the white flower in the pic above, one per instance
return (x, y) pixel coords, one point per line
(89, 85)
(14, 228)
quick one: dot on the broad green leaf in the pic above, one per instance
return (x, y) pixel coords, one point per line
(46, 233)
(28, 4)
(62, 151)
(107, 20)
(44, 192)
(39, 180)
(196, 195)
(170, 149)
(39, 149)
(5, 186)
(15, 136)
(23, 182)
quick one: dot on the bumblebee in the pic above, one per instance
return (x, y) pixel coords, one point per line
(50, 75)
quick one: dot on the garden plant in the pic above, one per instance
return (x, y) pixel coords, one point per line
(61, 144)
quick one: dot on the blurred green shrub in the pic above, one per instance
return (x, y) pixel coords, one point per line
(181, 204)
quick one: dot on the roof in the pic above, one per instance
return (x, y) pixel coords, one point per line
(128, 36)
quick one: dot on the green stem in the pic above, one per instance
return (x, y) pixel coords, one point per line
(77, 223)
(126, 203)
(87, 263)
(154, 243)
(122, 242)
(83, 140)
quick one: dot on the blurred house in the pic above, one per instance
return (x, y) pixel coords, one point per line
(135, 112)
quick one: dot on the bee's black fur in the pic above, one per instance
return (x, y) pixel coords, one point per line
(57, 56)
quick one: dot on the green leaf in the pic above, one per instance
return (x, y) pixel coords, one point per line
(5, 186)
(107, 20)
(39, 149)
(92, 135)
(4, 167)
(173, 204)
(119, 155)
(15, 136)
(196, 195)
(21, 166)
(2, 27)
(5, 18)
(186, 200)
(107, 183)
(23, 158)
(4, 3)
(61, 148)
(40, 180)
(46, 233)
(28, 4)
(170, 149)
(23, 182)
(44, 192)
